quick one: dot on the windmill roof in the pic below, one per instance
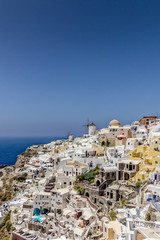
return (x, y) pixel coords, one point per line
(92, 124)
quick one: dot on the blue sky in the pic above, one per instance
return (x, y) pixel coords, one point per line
(62, 62)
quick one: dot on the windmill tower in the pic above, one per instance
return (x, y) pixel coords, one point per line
(91, 127)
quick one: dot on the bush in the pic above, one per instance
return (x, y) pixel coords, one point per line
(89, 176)
(138, 184)
(22, 178)
(8, 225)
(89, 233)
(148, 217)
(5, 237)
(6, 196)
(5, 219)
(123, 201)
(113, 215)
(80, 177)
(81, 190)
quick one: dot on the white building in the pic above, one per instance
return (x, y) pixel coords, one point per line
(152, 192)
(154, 137)
(75, 169)
(92, 129)
(54, 201)
(132, 143)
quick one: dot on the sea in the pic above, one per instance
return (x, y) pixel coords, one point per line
(10, 147)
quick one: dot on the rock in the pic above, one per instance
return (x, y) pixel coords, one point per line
(3, 166)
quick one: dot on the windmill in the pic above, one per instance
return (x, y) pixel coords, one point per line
(86, 125)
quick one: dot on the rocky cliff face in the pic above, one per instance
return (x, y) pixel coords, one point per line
(28, 154)
(22, 159)
(2, 166)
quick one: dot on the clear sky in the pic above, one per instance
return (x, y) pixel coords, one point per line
(64, 61)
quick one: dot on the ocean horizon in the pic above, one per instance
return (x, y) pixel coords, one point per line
(11, 147)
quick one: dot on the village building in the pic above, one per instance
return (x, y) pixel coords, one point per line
(147, 119)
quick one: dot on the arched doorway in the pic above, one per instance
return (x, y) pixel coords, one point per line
(87, 194)
(98, 183)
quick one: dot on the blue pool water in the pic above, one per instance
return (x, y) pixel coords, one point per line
(38, 218)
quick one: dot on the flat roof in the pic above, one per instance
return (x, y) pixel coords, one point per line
(153, 233)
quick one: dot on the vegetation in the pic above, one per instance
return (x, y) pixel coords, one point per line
(113, 215)
(89, 176)
(89, 233)
(5, 227)
(22, 178)
(148, 217)
(81, 190)
(148, 182)
(123, 201)
(138, 184)
(57, 161)
(6, 194)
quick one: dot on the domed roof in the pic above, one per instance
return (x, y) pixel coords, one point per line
(114, 123)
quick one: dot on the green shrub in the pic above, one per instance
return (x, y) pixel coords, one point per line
(5, 219)
(81, 190)
(8, 225)
(113, 215)
(80, 177)
(22, 178)
(89, 176)
(148, 217)
(138, 184)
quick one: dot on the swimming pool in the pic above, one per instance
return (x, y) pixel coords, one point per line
(38, 218)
